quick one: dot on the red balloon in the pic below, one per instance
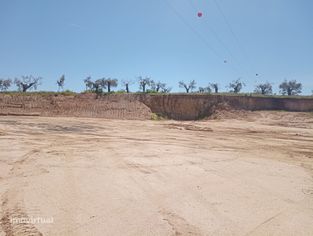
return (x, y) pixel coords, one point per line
(199, 14)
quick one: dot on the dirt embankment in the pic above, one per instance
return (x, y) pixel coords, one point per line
(141, 106)
(193, 107)
(81, 105)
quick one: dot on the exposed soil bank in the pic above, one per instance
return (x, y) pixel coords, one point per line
(141, 106)
(80, 105)
(193, 107)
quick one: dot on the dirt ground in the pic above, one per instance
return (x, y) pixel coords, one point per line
(246, 176)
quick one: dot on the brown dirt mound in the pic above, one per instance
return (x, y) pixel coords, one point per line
(84, 105)
(225, 111)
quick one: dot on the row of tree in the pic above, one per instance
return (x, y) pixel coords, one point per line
(289, 88)
(146, 84)
(23, 84)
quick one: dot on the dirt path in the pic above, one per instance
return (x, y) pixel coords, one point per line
(251, 176)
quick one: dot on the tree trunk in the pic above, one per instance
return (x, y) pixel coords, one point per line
(127, 89)
(24, 88)
(289, 91)
(109, 87)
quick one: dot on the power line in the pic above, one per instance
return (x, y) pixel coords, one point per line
(192, 29)
(192, 4)
(239, 45)
(200, 36)
(227, 23)
(218, 38)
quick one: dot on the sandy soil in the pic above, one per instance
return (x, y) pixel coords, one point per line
(249, 176)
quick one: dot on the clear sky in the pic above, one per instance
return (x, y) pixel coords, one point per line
(163, 39)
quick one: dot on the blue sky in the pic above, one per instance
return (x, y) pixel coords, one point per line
(163, 39)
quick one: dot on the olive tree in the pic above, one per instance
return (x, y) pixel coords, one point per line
(127, 83)
(188, 86)
(26, 83)
(236, 86)
(109, 83)
(95, 86)
(98, 86)
(205, 89)
(88, 83)
(144, 82)
(166, 90)
(60, 82)
(215, 87)
(291, 87)
(5, 84)
(159, 87)
(264, 88)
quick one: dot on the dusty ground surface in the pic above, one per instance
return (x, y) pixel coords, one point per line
(249, 176)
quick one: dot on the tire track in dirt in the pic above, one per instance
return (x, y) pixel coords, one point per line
(11, 203)
(11, 213)
(12, 207)
(179, 225)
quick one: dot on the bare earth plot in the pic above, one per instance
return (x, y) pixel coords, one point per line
(250, 176)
